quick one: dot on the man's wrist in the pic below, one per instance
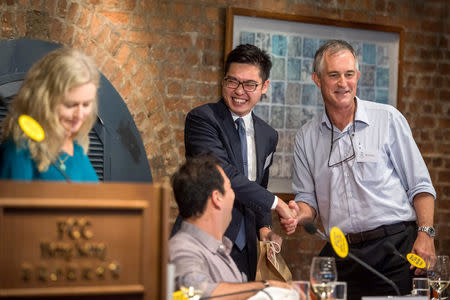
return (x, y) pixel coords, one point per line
(429, 230)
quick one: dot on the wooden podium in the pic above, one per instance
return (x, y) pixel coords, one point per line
(83, 241)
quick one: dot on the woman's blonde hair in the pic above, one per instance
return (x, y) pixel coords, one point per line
(45, 86)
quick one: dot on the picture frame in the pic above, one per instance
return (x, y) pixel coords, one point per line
(292, 98)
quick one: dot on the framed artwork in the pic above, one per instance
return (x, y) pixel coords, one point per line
(293, 98)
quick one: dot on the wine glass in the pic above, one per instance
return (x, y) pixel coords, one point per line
(192, 285)
(438, 273)
(323, 275)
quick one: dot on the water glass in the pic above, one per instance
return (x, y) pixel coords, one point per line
(420, 287)
(302, 287)
(323, 275)
(339, 291)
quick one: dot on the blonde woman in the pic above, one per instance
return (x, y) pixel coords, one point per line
(60, 92)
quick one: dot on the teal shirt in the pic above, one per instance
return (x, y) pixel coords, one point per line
(16, 164)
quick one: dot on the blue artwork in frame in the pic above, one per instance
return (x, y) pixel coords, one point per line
(293, 98)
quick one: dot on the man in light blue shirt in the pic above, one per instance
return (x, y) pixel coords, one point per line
(358, 167)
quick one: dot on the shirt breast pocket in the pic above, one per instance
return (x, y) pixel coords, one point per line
(368, 166)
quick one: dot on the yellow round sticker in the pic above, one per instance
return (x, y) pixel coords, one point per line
(31, 128)
(415, 260)
(339, 242)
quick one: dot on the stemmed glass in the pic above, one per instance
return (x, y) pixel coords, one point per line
(438, 273)
(191, 285)
(323, 275)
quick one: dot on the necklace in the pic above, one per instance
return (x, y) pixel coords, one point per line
(62, 161)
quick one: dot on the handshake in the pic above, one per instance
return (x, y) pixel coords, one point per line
(293, 214)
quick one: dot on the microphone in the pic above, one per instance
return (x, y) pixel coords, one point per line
(390, 249)
(410, 258)
(311, 229)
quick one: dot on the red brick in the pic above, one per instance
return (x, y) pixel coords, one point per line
(273, 5)
(173, 88)
(156, 118)
(56, 28)
(141, 37)
(189, 26)
(73, 12)
(96, 25)
(36, 4)
(156, 23)
(142, 51)
(131, 66)
(129, 4)
(432, 26)
(212, 13)
(180, 40)
(303, 9)
(85, 16)
(444, 68)
(50, 6)
(196, 12)
(329, 13)
(114, 42)
(8, 21)
(111, 3)
(104, 35)
(119, 79)
(179, 9)
(126, 89)
(68, 35)
(138, 21)
(172, 24)
(109, 67)
(140, 76)
(122, 54)
(218, 29)
(152, 105)
(21, 20)
(61, 10)
(444, 176)
(117, 17)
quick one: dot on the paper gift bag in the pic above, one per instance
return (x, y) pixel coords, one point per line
(271, 265)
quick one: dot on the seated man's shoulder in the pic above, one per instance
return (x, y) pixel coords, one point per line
(183, 242)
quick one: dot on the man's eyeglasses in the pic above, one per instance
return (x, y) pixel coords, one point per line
(352, 156)
(248, 86)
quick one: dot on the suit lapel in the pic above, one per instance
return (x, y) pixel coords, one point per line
(230, 130)
(259, 147)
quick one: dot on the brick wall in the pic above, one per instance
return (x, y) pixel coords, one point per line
(165, 57)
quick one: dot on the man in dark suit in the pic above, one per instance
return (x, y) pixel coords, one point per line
(244, 145)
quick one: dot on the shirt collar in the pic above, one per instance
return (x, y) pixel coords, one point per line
(360, 115)
(208, 240)
(247, 119)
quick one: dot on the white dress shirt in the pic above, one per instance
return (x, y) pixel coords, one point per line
(251, 148)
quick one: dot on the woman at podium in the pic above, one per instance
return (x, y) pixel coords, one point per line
(60, 93)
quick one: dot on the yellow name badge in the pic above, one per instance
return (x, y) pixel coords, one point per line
(415, 260)
(31, 128)
(178, 295)
(339, 242)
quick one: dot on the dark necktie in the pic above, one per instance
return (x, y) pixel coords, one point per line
(243, 138)
(241, 238)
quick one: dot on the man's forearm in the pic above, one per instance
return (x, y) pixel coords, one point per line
(424, 207)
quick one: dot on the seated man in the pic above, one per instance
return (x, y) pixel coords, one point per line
(199, 249)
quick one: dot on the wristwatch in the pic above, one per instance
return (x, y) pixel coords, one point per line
(428, 230)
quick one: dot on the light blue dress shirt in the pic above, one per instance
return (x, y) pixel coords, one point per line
(375, 188)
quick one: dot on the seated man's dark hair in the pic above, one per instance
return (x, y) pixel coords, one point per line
(194, 183)
(249, 54)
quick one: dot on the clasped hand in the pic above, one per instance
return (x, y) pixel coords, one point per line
(288, 216)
